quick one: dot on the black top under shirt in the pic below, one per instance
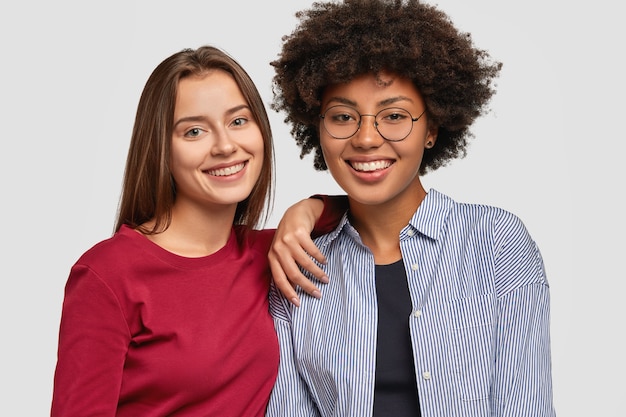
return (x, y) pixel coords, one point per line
(395, 392)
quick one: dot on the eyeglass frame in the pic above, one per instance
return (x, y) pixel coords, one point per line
(413, 120)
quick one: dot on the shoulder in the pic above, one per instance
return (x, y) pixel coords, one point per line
(502, 224)
(501, 221)
(124, 255)
(502, 236)
(253, 239)
(119, 246)
(441, 214)
(505, 228)
(501, 227)
(102, 268)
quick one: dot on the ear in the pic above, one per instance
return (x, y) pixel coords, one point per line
(431, 138)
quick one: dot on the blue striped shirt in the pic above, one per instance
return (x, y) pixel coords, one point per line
(479, 324)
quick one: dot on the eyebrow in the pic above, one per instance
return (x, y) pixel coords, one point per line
(192, 119)
(385, 102)
(205, 119)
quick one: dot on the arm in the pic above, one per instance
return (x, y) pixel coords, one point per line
(523, 375)
(93, 341)
(522, 378)
(293, 245)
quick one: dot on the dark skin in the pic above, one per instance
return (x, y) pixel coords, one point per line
(335, 43)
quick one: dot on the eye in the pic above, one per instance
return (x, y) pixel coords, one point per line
(393, 115)
(194, 132)
(239, 121)
(341, 115)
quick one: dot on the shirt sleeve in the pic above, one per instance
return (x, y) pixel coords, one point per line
(290, 396)
(334, 208)
(93, 342)
(523, 376)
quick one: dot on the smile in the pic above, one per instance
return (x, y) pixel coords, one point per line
(371, 166)
(223, 172)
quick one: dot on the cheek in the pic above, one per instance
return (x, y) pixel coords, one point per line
(257, 148)
(175, 160)
(330, 148)
(260, 146)
(182, 158)
(414, 152)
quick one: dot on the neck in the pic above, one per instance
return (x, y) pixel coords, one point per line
(195, 230)
(379, 225)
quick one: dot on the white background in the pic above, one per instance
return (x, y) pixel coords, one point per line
(551, 151)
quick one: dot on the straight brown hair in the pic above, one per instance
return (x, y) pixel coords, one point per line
(148, 190)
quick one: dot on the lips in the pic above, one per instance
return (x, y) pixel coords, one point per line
(371, 166)
(226, 171)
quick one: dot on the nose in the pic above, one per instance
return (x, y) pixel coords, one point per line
(367, 136)
(223, 144)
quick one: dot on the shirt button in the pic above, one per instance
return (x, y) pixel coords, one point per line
(414, 267)
(417, 313)
(426, 375)
(410, 232)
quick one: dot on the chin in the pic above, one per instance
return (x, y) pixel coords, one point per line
(369, 199)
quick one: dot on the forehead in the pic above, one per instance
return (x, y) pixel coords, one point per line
(214, 81)
(210, 91)
(372, 89)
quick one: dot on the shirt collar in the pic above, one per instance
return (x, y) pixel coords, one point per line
(428, 219)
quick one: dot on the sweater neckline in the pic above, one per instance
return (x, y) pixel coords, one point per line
(225, 253)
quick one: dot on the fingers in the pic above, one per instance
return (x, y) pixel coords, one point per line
(302, 253)
(293, 249)
(283, 284)
(287, 286)
(286, 255)
(297, 248)
(312, 251)
(287, 275)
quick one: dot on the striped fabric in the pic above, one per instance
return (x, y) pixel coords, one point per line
(479, 325)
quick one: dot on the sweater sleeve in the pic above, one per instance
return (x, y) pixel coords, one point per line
(93, 342)
(335, 207)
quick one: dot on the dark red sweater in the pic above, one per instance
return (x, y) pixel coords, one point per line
(146, 333)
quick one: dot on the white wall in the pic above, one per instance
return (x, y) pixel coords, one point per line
(550, 151)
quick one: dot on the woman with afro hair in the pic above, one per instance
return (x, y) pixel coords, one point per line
(434, 307)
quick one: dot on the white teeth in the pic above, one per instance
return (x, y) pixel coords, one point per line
(370, 166)
(222, 172)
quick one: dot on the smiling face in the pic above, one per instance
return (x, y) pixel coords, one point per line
(217, 147)
(370, 169)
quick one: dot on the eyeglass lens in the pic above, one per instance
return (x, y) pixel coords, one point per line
(342, 122)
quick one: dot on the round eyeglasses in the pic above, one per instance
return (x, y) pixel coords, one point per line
(393, 123)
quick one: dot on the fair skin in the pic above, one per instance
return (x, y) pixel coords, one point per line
(292, 247)
(380, 177)
(216, 159)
